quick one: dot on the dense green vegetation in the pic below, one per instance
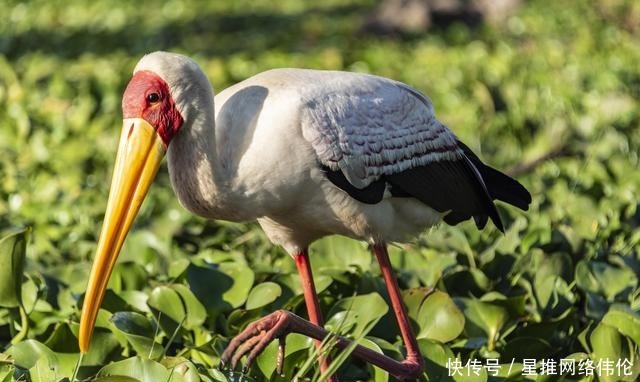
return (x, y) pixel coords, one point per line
(552, 94)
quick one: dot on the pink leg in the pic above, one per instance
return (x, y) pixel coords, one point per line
(278, 324)
(413, 360)
(311, 300)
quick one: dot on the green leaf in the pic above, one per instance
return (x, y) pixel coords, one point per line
(44, 370)
(182, 367)
(292, 282)
(104, 343)
(295, 343)
(341, 253)
(608, 280)
(27, 355)
(554, 295)
(379, 375)
(467, 281)
(547, 264)
(486, 316)
(194, 310)
(263, 294)
(439, 318)
(355, 314)
(168, 307)
(177, 303)
(413, 298)
(607, 344)
(63, 339)
(625, 320)
(178, 267)
(140, 369)
(218, 375)
(222, 289)
(31, 291)
(436, 356)
(6, 373)
(12, 253)
(139, 332)
(136, 299)
(127, 276)
(522, 347)
(415, 259)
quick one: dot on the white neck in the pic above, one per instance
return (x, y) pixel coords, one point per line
(194, 163)
(194, 166)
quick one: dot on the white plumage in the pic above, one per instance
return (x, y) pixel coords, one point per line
(307, 154)
(368, 126)
(259, 161)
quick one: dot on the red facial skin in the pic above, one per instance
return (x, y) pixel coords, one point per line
(138, 102)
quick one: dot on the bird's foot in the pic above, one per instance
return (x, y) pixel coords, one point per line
(255, 338)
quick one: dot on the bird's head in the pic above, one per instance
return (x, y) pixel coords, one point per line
(165, 95)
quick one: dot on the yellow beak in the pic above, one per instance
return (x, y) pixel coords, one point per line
(139, 155)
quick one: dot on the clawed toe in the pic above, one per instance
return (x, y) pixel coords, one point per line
(255, 338)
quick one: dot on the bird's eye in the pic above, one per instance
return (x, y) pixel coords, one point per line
(153, 97)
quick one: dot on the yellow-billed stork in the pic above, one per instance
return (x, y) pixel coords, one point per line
(306, 153)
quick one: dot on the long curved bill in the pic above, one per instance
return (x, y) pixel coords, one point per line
(139, 155)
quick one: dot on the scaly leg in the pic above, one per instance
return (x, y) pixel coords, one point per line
(255, 338)
(413, 359)
(313, 306)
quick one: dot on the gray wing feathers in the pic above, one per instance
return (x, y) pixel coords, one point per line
(374, 127)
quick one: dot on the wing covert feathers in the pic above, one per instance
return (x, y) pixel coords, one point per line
(373, 135)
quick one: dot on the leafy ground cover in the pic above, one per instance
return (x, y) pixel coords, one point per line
(552, 95)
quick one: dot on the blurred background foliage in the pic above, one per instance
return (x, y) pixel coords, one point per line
(550, 93)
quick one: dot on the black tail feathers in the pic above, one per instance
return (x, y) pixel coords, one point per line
(505, 188)
(499, 185)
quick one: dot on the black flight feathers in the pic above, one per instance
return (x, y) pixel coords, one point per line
(466, 187)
